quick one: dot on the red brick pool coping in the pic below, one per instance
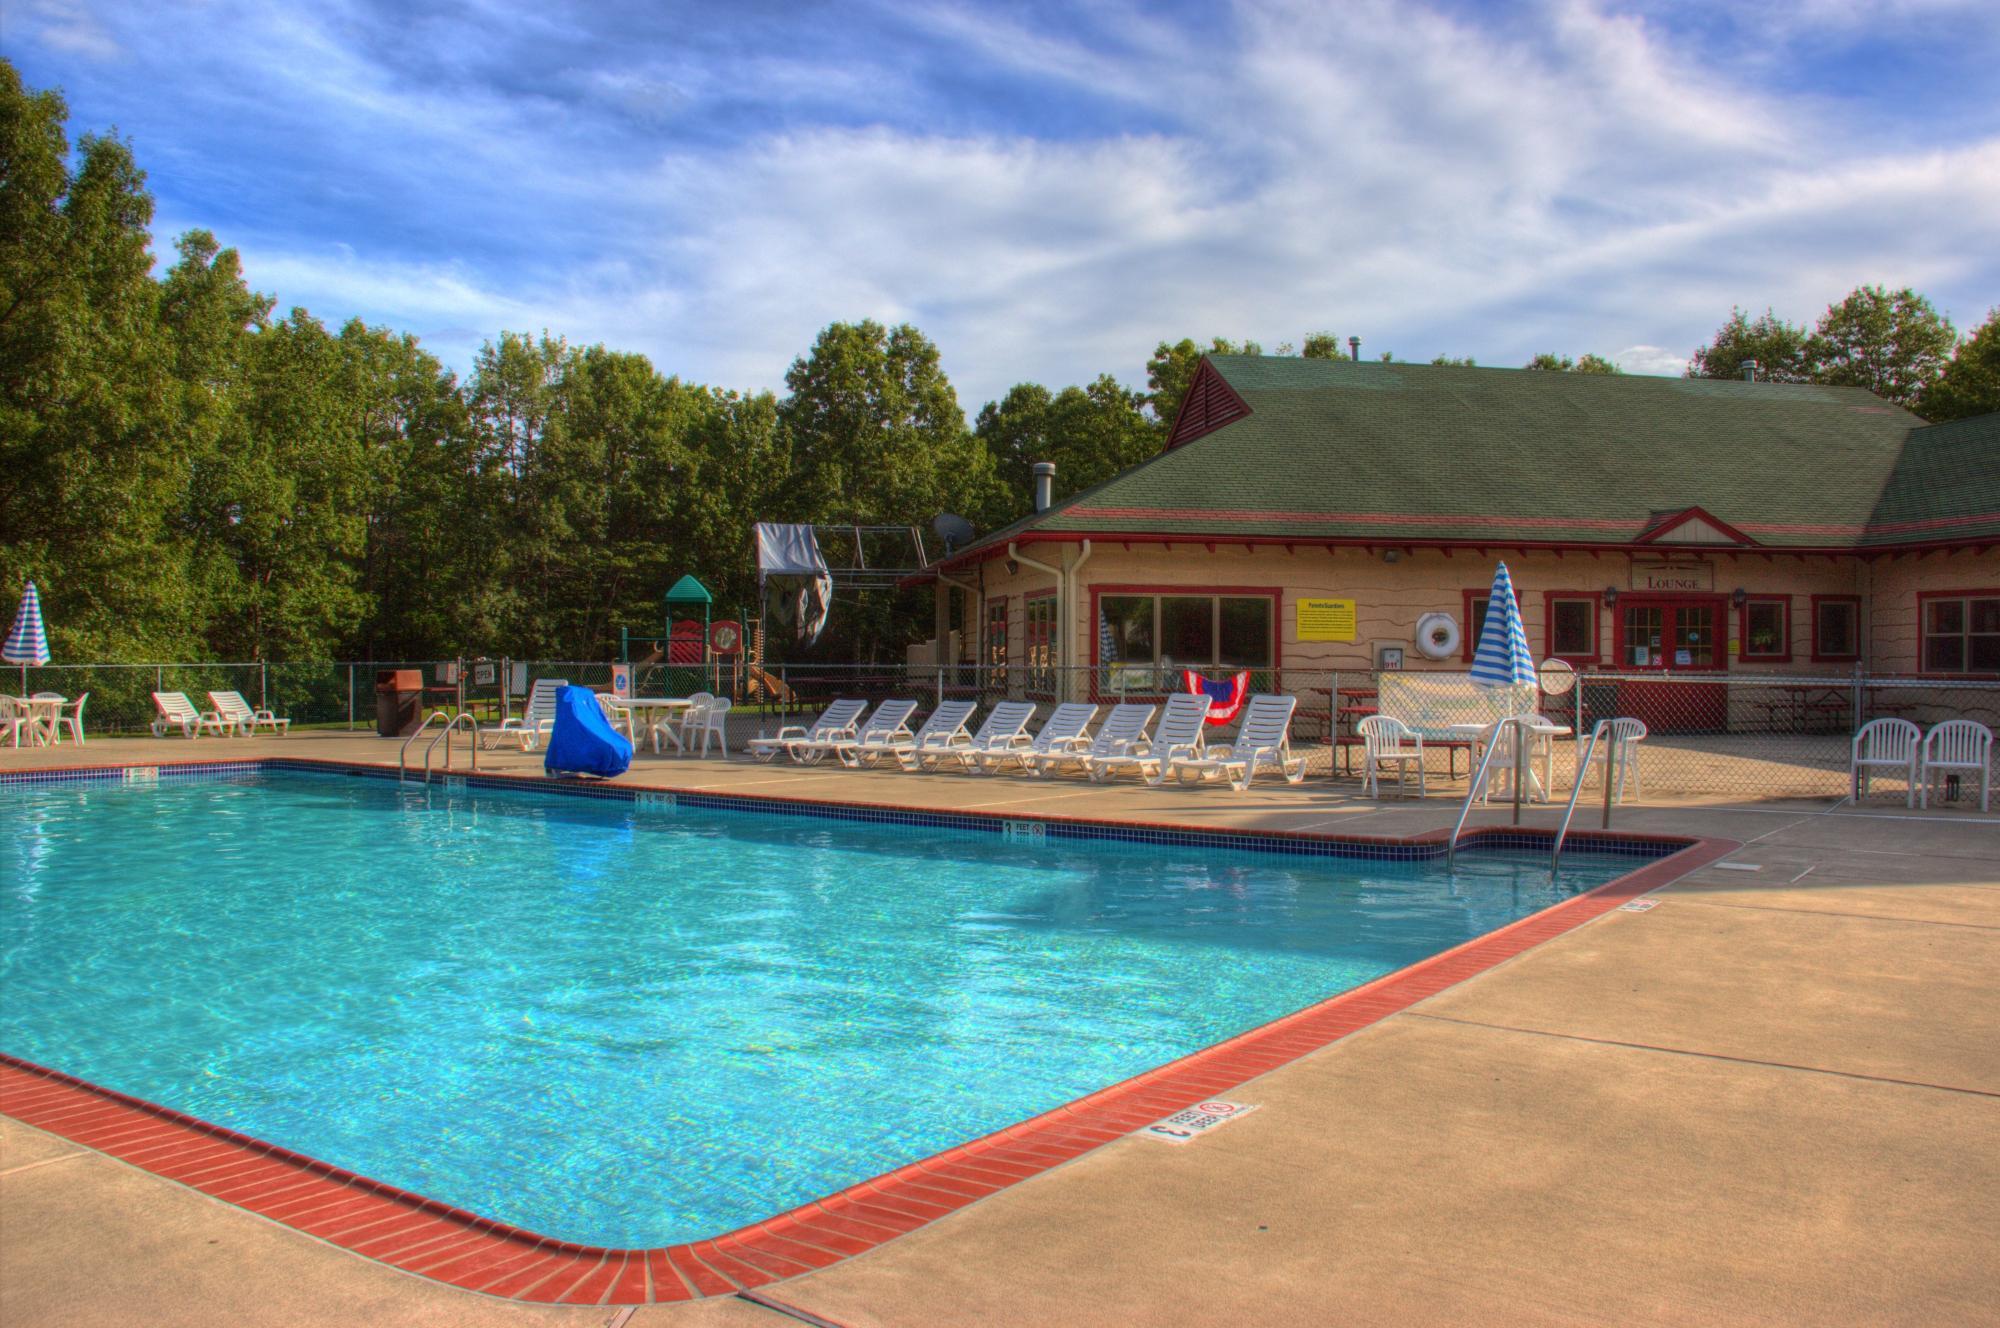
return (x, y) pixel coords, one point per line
(462, 1249)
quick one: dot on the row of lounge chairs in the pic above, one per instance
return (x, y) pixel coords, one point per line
(1126, 742)
(229, 714)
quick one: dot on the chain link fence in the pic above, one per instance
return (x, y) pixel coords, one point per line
(1739, 737)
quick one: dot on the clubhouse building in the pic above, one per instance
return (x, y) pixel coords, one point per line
(1327, 514)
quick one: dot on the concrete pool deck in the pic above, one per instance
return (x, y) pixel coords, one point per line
(1773, 1098)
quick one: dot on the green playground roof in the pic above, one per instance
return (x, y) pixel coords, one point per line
(687, 590)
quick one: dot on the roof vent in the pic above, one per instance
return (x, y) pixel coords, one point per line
(1749, 371)
(1354, 349)
(1045, 484)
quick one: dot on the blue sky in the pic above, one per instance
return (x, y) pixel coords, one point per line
(1048, 190)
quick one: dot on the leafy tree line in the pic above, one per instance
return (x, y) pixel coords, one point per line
(191, 475)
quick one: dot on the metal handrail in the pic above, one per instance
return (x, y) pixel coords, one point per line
(445, 734)
(403, 752)
(1520, 723)
(1602, 727)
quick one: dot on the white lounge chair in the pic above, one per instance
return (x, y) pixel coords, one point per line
(232, 707)
(1958, 744)
(1388, 741)
(1005, 729)
(1179, 735)
(1122, 730)
(1263, 742)
(889, 724)
(1061, 731)
(1885, 744)
(944, 728)
(527, 728)
(838, 720)
(175, 711)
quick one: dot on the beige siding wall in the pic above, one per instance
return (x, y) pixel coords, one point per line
(1894, 586)
(1390, 597)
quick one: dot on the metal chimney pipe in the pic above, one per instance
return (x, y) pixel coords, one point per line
(1045, 484)
(1749, 371)
(1354, 349)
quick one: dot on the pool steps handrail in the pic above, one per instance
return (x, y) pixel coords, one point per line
(1599, 730)
(403, 753)
(1520, 723)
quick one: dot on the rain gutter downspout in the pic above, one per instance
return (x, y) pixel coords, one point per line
(1081, 558)
(1062, 638)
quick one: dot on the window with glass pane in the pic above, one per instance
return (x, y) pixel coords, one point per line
(1038, 622)
(1837, 629)
(1983, 638)
(996, 640)
(1764, 628)
(1573, 629)
(1128, 620)
(1944, 636)
(1187, 631)
(1245, 635)
(1475, 622)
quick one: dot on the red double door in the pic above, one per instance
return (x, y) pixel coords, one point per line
(1673, 634)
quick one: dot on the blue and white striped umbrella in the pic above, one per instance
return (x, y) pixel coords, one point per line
(1502, 659)
(27, 643)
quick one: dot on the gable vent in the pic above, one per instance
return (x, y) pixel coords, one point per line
(1209, 404)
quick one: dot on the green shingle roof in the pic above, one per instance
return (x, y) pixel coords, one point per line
(1337, 450)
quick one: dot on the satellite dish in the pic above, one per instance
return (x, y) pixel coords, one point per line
(953, 530)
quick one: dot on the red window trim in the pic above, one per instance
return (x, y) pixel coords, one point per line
(1923, 600)
(1855, 600)
(1276, 594)
(1596, 598)
(1743, 630)
(1468, 635)
(1670, 603)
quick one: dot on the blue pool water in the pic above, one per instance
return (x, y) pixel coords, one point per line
(629, 1026)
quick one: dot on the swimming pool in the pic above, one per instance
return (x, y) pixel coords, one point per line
(631, 1025)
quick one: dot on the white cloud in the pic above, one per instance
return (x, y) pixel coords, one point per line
(1578, 180)
(69, 26)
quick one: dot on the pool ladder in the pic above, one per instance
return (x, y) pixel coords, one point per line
(1600, 730)
(444, 734)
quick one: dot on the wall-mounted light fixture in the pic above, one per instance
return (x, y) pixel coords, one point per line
(1392, 555)
(1013, 568)
(1611, 597)
(1738, 596)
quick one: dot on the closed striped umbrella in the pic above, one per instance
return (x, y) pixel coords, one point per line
(1502, 659)
(27, 643)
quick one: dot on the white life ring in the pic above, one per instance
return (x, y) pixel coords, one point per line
(1437, 636)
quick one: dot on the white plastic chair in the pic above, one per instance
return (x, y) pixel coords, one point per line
(943, 730)
(232, 707)
(889, 723)
(1120, 733)
(1891, 744)
(1061, 731)
(175, 711)
(1386, 740)
(1179, 736)
(713, 722)
(1263, 741)
(1958, 744)
(73, 718)
(1005, 729)
(539, 718)
(1626, 733)
(838, 720)
(10, 721)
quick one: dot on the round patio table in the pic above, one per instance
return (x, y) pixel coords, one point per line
(40, 715)
(661, 706)
(1505, 775)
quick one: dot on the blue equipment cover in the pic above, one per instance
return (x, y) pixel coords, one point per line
(584, 743)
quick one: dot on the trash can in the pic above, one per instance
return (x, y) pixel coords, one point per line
(399, 701)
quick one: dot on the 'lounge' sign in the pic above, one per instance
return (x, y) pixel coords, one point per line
(1673, 576)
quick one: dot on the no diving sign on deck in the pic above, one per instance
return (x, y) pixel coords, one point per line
(1186, 1126)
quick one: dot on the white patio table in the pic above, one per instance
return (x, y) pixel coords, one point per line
(655, 708)
(39, 714)
(1504, 776)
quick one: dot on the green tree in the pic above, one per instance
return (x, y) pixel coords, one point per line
(1891, 342)
(1322, 346)
(1778, 347)
(92, 463)
(1460, 362)
(1589, 364)
(1970, 384)
(1090, 433)
(1170, 371)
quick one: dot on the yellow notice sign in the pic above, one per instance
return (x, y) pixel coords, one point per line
(1326, 620)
